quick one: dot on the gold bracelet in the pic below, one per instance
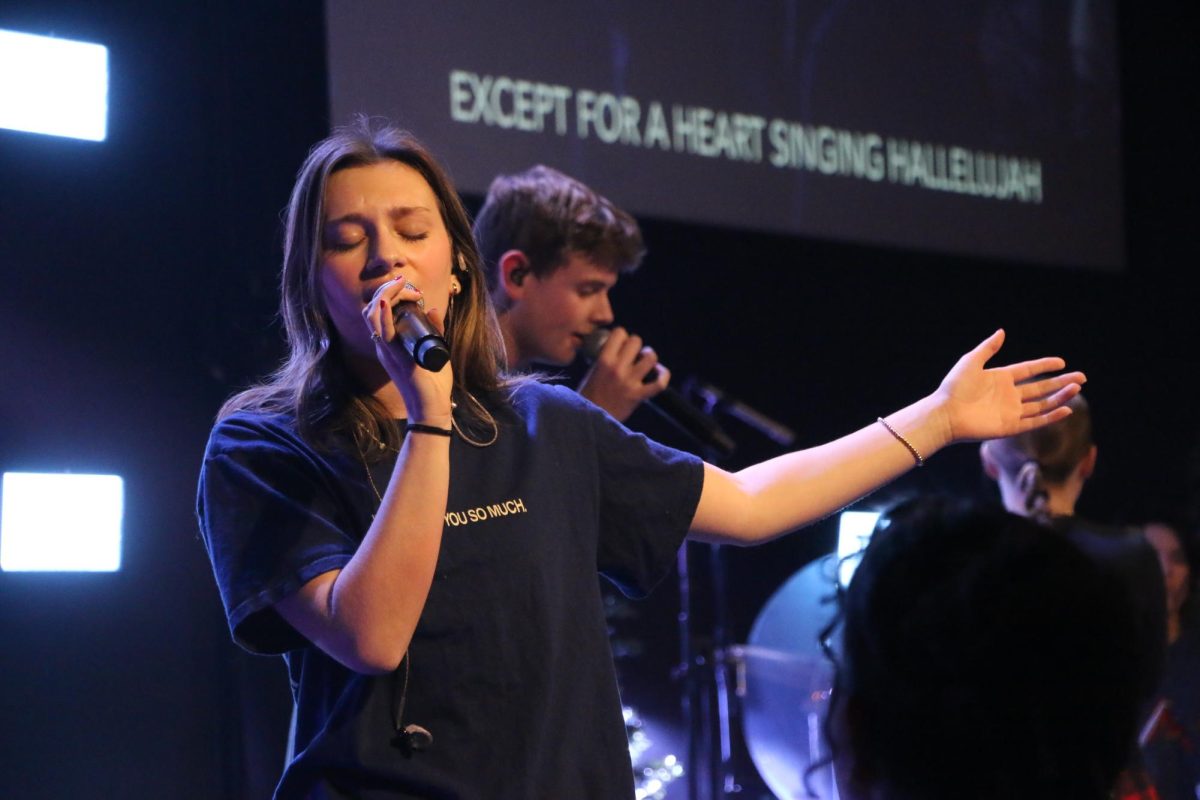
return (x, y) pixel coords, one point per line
(917, 456)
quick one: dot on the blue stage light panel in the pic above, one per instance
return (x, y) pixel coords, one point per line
(61, 522)
(854, 531)
(53, 86)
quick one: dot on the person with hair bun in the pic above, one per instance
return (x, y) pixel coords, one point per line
(1041, 475)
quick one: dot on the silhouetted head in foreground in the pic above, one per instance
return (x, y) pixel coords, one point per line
(982, 657)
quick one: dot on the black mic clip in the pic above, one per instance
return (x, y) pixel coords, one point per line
(695, 423)
(715, 400)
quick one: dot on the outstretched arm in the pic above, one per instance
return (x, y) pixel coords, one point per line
(972, 403)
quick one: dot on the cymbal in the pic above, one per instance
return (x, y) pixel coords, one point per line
(787, 681)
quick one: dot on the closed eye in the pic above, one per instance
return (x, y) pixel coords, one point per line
(342, 246)
(591, 288)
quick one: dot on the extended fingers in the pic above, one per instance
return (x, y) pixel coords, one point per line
(1034, 390)
(1038, 366)
(1051, 407)
(1038, 420)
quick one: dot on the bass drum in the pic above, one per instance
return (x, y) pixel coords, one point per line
(785, 683)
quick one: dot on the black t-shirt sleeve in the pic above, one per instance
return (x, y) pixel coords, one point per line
(648, 497)
(271, 521)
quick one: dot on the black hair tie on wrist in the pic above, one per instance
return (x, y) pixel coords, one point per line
(416, 427)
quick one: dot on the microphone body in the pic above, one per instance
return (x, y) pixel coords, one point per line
(671, 405)
(428, 349)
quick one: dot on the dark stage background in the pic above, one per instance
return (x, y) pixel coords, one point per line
(138, 291)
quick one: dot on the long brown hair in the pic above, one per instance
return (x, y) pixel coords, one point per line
(313, 382)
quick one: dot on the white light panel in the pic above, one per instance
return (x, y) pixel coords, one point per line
(854, 531)
(53, 86)
(60, 522)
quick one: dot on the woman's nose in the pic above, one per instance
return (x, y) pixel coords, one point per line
(389, 253)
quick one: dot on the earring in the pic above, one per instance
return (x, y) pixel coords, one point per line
(455, 286)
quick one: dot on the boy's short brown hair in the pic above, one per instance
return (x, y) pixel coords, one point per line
(548, 215)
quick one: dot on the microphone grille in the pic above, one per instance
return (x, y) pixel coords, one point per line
(593, 342)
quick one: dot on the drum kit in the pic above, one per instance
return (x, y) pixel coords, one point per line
(764, 701)
(784, 687)
(767, 698)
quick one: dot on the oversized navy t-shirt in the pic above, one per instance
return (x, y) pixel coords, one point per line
(509, 668)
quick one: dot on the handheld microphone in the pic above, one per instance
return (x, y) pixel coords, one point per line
(671, 405)
(423, 343)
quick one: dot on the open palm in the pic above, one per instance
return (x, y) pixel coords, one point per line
(982, 403)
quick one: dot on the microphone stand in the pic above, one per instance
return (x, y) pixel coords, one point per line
(709, 703)
(706, 703)
(728, 713)
(686, 672)
(711, 708)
